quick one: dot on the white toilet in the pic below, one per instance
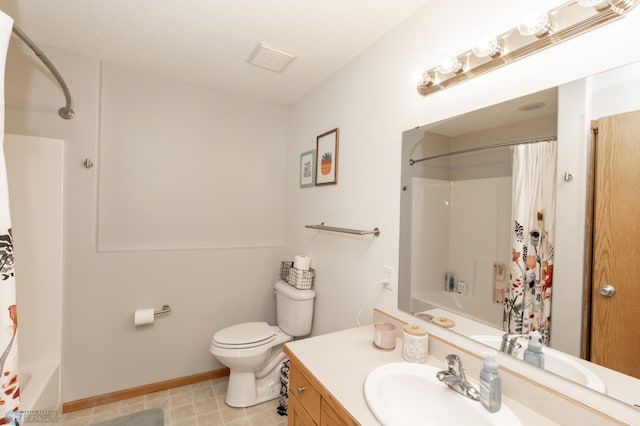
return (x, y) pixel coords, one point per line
(253, 350)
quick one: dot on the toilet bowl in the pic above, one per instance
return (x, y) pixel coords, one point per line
(254, 363)
(253, 350)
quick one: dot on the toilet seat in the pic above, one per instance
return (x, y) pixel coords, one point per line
(245, 335)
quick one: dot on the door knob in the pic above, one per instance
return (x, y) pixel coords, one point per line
(607, 290)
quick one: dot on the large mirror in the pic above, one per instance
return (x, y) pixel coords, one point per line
(465, 181)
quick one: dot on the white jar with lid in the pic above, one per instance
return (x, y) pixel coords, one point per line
(415, 343)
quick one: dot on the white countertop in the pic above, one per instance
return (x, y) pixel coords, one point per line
(342, 360)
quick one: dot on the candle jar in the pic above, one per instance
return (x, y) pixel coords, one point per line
(415, 343)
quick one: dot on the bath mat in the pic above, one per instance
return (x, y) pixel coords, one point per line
(151, 417)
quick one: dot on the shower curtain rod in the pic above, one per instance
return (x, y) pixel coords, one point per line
(481, 148)
(66, 111)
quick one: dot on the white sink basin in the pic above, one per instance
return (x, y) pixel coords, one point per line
(554, 362)
(410, 394)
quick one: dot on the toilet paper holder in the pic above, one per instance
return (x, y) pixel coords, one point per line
(164, 310)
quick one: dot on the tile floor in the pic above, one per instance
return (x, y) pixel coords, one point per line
(199, 404)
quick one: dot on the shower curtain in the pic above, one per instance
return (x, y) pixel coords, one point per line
(9, 388)
(528, 297)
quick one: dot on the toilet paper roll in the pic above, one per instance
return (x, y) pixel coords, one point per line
(144, 316)
(302, 262)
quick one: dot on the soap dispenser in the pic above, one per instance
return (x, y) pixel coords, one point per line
(533, 354)
(490, 384)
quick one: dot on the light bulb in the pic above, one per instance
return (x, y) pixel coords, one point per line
(425, 82)
(448, 64)
(537, 24)
(597, 4)
(487, 45)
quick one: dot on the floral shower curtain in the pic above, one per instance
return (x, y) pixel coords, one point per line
(9, 388)
(528, 299)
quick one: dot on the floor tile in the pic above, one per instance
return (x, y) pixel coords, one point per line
(199, 404)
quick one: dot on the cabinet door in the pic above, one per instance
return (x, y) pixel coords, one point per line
(335, 415)
(298, 416)
(301, 387)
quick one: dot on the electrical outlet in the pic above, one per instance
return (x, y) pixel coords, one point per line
(387, 274)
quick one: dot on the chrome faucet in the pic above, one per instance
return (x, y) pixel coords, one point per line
(454, 377)
(510, 345)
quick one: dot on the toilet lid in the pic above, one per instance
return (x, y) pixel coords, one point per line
(245, 333)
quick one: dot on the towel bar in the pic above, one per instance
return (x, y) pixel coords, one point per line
(323, 227)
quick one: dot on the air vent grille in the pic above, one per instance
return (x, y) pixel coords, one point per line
(270, 58)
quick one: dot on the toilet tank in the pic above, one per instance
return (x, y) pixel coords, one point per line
(294, 309)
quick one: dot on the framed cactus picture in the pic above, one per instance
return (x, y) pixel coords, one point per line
(327, 158)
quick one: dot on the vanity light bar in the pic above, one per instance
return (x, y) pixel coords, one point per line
(563, 22)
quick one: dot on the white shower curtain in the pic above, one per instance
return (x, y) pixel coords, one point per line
(9, 395)
(528, 298)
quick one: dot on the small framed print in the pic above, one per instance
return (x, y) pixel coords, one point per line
(327, 158)
(307, 168)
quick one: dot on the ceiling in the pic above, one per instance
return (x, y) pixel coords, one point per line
(207, 42)
(538, 104)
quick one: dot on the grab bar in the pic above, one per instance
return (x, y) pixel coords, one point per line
(323, 227)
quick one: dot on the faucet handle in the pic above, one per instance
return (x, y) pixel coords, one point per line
(456, 378)
(511, 337)
(454, 364)
(509, 344)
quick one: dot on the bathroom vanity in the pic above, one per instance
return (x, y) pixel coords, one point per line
(310, 403)
(328, 372)
(328, 390)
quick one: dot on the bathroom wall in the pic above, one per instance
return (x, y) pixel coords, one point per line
(373, 100)
(214, 163)
(480, 238)
(186, 159)
(616, 91)
(430, 235)
(460, 227)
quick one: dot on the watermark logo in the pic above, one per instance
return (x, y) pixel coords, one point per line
(17, 417)
(14, 417)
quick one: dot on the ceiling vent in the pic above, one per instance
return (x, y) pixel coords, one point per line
(270, 58)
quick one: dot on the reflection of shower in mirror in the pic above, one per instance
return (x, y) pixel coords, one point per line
(452, 205)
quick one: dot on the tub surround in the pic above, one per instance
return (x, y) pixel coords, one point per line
(343, 377)
(40, 387)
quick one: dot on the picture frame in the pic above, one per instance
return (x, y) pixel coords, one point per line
(308, 168)
(327, 157)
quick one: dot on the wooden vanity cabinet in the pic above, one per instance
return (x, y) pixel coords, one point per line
(310, 403)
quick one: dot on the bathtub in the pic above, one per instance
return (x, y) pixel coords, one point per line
(40, 388)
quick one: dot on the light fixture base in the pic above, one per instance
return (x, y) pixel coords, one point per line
(561, 23)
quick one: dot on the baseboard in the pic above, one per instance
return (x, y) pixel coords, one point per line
(81, 404)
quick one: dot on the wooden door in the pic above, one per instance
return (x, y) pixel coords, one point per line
(615, 320)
